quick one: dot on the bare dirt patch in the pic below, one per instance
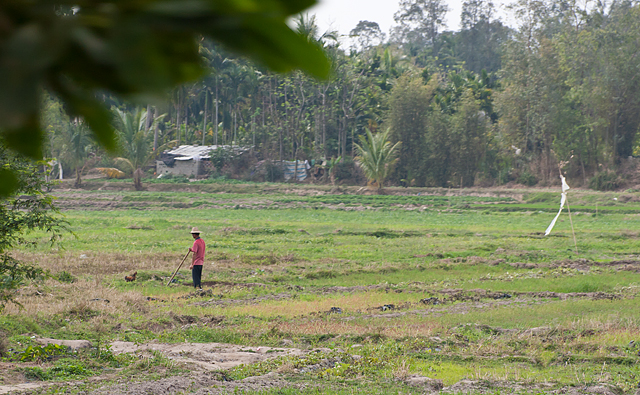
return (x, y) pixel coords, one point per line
(237, 302)
(584, 265)
(482, 298)
(201, 358)
(199, 384)
(474, 300)
(11, 375)
(207, 356)
(229, 284)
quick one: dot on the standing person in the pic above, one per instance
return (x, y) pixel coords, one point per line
(197, 260)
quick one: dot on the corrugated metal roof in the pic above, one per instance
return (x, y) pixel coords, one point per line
(187, 152)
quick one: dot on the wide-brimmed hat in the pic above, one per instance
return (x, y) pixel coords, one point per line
(195, 230)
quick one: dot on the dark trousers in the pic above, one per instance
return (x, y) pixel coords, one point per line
(196, 273)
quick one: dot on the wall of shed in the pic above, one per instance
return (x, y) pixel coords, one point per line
(187, 168)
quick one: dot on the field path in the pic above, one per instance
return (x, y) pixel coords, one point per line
(199, 357)
(207, 356)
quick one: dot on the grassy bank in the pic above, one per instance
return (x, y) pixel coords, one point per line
(449, 287)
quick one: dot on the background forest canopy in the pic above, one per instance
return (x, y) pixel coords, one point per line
(485, 105)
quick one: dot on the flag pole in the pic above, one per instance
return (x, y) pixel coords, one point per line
(575, 243)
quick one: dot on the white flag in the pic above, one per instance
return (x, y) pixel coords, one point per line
(565, 188)
(564, 199)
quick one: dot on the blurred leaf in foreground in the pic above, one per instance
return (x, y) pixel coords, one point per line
(76, 49)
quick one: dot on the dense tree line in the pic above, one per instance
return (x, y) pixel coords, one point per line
(484, 105)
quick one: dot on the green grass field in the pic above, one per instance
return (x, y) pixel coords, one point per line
(449, 287)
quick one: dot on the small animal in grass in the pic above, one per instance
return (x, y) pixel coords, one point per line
(432, 300)
(131, 278)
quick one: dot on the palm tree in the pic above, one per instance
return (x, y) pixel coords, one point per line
(376, 156)
(330, 168)
(136, 141)
(77, 144)
(307, 27)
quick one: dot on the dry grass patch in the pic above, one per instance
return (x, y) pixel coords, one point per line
(89, 263)
(83, 300)
(4, 344)
(401, 370)
(353, 328)
(317, 305)
(611, 325)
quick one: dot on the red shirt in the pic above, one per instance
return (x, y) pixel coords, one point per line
(198, 251)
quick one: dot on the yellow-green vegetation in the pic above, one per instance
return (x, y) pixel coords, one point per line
(381, 287)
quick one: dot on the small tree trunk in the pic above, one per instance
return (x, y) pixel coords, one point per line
(204, 122)
(215, 137)
(235, 126)
(186, 123)
(78, 178)
(137, 179)
(178, 120)
(155, 132)
(148, 119)
(295, 167)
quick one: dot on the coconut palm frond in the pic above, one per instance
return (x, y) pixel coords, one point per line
(376, 156)
(125, 162)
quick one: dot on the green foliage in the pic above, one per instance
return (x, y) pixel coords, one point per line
(103, 352)
(273, 171)
(220, 157)
(605, 181)
(148, 363)
(140, 49)
(409, 111)
(376, 156)
(29, 209)
(330, 168)
(528, 179)
(76, 146)
(564, 88)
(344, 169)
(468, 139)
(135, 141)
(66, 277)
(40, 353)
(71, 370)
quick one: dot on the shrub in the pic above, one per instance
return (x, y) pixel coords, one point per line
(65, 370)
(66, 277)
(527, 179)
(346, 170)
(41, 353)
(273, 172)
(605, 181)
(504, 176)
(29, 208)
(219, 158)
(4, 344)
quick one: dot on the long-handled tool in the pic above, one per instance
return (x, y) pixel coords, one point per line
(176, 272)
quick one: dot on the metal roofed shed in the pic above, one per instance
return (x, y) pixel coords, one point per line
(191, 160)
